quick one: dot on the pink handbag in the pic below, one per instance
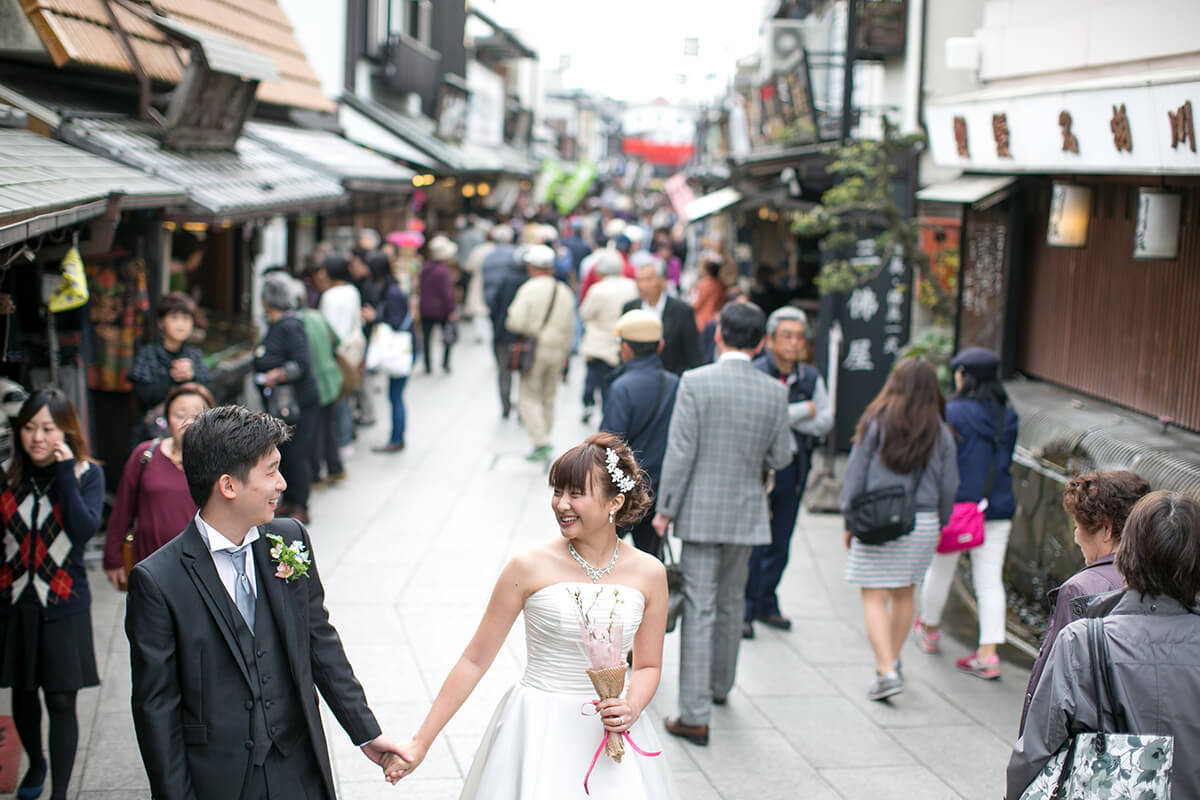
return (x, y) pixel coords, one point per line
(964, 531)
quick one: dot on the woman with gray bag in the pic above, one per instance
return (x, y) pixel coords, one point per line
(898, 492)
(1140, 697)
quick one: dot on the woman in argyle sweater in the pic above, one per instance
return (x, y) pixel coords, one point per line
(50, 505)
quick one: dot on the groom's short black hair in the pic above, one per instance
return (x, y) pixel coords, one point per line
(227, 440)
(743, 325)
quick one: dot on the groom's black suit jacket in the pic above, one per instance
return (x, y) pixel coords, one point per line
(192, 697)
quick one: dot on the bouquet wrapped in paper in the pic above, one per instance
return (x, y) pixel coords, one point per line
(607, 673)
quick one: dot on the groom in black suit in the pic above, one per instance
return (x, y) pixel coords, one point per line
(228, 650)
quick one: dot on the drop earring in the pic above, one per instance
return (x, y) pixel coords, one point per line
(610, 517)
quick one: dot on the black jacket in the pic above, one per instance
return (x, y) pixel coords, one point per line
(636, 410)
(506, 290)
(286, 344)
(192, 698)
(151, 372)
(681, 340)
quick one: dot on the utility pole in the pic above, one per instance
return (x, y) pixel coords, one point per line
(848, 68)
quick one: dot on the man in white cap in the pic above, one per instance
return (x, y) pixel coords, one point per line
(542, 314)
(641, 396)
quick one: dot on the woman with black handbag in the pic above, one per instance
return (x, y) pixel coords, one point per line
(898, 492)
(283, 372)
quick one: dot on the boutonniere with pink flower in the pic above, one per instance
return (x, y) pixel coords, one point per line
(291, 560)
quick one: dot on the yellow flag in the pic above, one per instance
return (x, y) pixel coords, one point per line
(72, 290)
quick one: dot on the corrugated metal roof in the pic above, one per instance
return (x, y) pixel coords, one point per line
(254, 179)
(365, 131)
(39, 174)
(357, 167)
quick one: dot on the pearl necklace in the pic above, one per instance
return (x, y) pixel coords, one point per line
(595, 573)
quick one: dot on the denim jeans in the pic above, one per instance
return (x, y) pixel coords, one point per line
(396, 395)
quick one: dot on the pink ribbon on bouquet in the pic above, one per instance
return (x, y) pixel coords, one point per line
(603, 742)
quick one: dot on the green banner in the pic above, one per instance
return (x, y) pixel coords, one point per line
(576, 188)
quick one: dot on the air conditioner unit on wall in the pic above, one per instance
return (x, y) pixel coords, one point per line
(782, 46)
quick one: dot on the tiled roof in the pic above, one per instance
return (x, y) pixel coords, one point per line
(357, 167)
(38, 175)
(254, 179)
(79, 32)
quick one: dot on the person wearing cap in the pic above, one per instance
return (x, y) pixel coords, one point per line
(641, 397)
(541, 310)
(681, 340)
(985, 429)
(436, 300)
(810, 415)
(600, 311)
(619, 244)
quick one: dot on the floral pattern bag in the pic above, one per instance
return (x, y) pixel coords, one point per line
(1106, 766)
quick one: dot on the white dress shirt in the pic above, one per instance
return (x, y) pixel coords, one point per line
(657, 308)
(219, 546)
(733, 355)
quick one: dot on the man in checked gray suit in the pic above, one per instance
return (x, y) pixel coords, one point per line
(730, 425)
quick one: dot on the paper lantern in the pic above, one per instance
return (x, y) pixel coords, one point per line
(1070, 210)
(1156, 235)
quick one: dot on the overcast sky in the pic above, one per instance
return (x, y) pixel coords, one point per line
(634, 49)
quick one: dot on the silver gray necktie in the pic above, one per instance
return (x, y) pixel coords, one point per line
(243, 595)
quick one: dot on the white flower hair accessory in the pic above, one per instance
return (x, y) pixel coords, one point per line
(623, 481)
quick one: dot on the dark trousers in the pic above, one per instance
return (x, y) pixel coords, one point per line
(294, 460)
(396, 395)
(504, 375)
(279, 778)
(325, 444)
(767, 561)
(645, 538)
(596, 381)
(427, 326)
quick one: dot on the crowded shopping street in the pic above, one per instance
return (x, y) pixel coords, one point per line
(393, 545)
(517, 400)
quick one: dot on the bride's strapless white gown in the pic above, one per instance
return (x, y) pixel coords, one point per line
(538, 745)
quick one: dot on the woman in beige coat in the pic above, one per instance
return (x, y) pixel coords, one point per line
(600, 310)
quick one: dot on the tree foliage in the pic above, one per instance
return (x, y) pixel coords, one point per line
(860, 205)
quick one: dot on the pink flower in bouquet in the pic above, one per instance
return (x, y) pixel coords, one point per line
(603, 645)
(284, 571)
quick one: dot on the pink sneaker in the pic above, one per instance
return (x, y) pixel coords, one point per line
(926, 640)
(988, 669)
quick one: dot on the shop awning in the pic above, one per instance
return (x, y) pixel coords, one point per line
(719, 200)
(359, 169)
(463, 159)
(363, 130)
(253, 180)
(980, 191)
(40, 175)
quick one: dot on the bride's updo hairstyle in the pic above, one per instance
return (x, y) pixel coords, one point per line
(587, 463)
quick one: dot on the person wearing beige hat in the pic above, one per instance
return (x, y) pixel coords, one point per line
(599, 311)
(542, 310)
(638, 407)
(436, 300)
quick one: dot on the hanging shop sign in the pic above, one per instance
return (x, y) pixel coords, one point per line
(1097, 127)
(1156, 235)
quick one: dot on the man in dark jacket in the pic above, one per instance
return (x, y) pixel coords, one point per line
(641, 396)
(498, 263)
(681, 342)
(501, 299)
(810, 415)
(229, 637)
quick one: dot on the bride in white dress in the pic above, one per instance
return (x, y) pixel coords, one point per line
(549, 726)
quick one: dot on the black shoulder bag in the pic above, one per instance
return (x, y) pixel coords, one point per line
(878, 516)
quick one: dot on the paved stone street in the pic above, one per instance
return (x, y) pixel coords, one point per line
(409, 547)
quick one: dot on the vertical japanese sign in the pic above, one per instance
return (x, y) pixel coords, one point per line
(874, 318)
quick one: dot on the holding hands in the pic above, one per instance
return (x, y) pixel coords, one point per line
(386, 753)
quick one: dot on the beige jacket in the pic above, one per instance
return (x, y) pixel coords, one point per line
(528, 310)
(600, 311)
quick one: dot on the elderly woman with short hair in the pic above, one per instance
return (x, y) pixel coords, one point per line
(1152, 635)
(283, 371)
(599, 312)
